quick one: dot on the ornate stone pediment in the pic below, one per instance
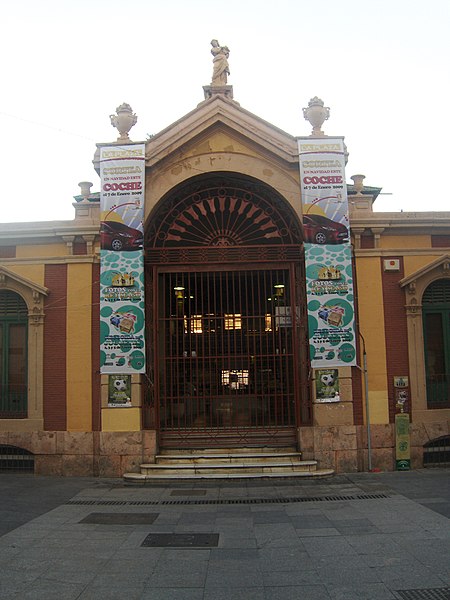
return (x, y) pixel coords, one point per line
(31, 292)
(437, 269)
(218, 111)
(416, 283)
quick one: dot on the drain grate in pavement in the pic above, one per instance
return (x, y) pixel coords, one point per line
(225, 501)
(120, 518)
(430, 594)
(181, 540)
(188, 492)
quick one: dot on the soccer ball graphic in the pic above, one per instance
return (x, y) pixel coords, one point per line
(328, 379)
(120, 385)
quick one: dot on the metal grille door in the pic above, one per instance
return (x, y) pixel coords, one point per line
(226, 350)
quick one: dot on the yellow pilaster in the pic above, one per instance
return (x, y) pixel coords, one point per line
(371, 319)
(79, 357)
(121, 419)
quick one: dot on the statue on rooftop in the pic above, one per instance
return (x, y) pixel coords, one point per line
(220, 64)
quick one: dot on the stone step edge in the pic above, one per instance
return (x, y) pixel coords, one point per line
(140, 477)
(229, 450)
(213, 455)
(303, 463)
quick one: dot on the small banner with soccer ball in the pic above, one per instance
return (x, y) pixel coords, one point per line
(327, 385)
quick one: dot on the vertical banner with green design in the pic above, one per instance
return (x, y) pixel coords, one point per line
(402, 442)
(122, 309)
(328, 257)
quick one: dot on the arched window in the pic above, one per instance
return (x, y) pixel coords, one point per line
(13, 355)
(436, 329)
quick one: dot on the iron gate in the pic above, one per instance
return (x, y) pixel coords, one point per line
(226, 354)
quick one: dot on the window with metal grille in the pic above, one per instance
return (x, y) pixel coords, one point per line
(14, 459)
(436, 324)
(13, 355)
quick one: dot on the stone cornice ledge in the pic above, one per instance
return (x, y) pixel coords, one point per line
(405, 219)
(52, 260)
(371, 252)
(49, 229)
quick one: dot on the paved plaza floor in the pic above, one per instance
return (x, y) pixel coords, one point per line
(362, 536)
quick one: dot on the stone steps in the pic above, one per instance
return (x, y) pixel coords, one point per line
(223, 463)
(226, 458)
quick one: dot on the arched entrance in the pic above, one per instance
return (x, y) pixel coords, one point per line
(225, 300)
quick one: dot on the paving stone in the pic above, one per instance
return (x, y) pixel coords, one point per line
(51, 590)
(272, 559)
(296, 576)
(271, 517)
(239, 593)
(172, 594)
(285, 559)
(328, 546)
(309, 592)
(130, 592)
(276, 535)
(311, 522)
(235, 554)
(408, 578)
(234, 541)
(193, 577)
(358, 591)
(347, 576)
(323, 532)
(222, 578)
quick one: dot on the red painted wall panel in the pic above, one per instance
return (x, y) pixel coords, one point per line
(395, 326)
(55, 348)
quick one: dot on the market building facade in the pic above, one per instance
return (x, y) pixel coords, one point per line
(225, 313)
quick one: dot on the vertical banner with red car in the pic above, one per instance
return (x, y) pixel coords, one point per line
(329, 280)
(122, 310)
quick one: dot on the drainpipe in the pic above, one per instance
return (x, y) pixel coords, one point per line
(366, 394)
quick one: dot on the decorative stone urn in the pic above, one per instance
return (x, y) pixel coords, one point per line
(358, 183)
(85, 187)
(123, 121)
(316, 113)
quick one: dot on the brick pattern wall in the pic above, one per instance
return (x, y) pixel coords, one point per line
(79, 248)
(396, 333)
(367, 241)
(440, 241)
(358, 416)
(55, 348)
(7, 252)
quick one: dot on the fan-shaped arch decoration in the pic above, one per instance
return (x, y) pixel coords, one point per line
(219, 212)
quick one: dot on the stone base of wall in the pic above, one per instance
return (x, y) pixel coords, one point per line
(84, 454)
(344, 447)
(111, 454)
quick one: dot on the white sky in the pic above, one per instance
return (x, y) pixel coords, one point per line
(382, 66)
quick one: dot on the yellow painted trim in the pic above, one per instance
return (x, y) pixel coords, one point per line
(79, 360)
(378, 407)
(121, 419)
(371, 319)
(405, 241)
(41, 250)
